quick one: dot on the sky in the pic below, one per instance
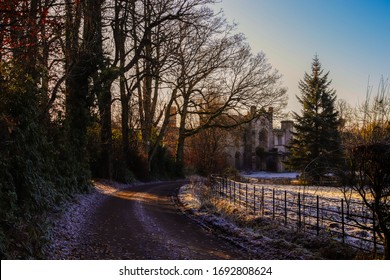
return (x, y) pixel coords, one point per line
(350, 37)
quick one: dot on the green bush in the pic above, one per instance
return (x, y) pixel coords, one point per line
(37, 166)
(122, 173)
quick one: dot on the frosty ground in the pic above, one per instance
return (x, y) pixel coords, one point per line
(271, 175)
(336, 211)
(106, 224)
(330, 199)
(263, 236)
(140, 221)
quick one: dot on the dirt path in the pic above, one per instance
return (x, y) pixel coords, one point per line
(143, 222)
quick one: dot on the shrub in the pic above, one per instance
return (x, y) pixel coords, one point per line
(38, 167)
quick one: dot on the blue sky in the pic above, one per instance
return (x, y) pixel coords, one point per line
(350, 37)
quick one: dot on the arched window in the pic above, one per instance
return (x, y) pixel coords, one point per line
(263, 139)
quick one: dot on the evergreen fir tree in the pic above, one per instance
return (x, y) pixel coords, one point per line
(315, 148)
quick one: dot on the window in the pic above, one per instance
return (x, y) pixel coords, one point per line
(263, 138)
(280, 140)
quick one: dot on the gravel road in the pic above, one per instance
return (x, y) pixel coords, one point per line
(144, 222)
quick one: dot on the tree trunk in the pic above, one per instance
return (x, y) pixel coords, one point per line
(76, 85)
(125, 96)
(386, 247)
(383, 225)
(106, 163)
(180, 155)
(125, 119)
(167, 116)
(77, 111)
(82, 62)
(182, 137)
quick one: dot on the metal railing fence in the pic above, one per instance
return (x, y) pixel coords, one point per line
(349, 222)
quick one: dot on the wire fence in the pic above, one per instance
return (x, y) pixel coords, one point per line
(348, 221)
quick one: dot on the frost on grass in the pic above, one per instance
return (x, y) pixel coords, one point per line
(270, 175)
(188, 198)
(261, 237)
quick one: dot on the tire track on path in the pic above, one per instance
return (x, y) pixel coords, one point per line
(143, 222)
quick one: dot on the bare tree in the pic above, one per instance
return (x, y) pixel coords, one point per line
(368, 147)
(216, 64)
(82, 44)
(206, 150)
(150, 86)
(127, 38)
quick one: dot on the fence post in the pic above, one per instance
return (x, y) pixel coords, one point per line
(239, 194)
(217, 187)
(262, 200)
(273, 203)
(241, 199)
(318, 215)
(373, 227)
(226, 187)
(221, 188)
(230, 191)
(254, 200)
(303, 211)
(342, 219)
(246, 197)
(285, 207)
(234, 193)
(232, 188)
(214, 187)
(299, 210)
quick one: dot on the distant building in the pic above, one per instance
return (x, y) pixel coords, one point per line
(254, 146)
(258, 146)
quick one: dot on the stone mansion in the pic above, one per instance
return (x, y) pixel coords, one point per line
(259, 146)
(254, 146)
